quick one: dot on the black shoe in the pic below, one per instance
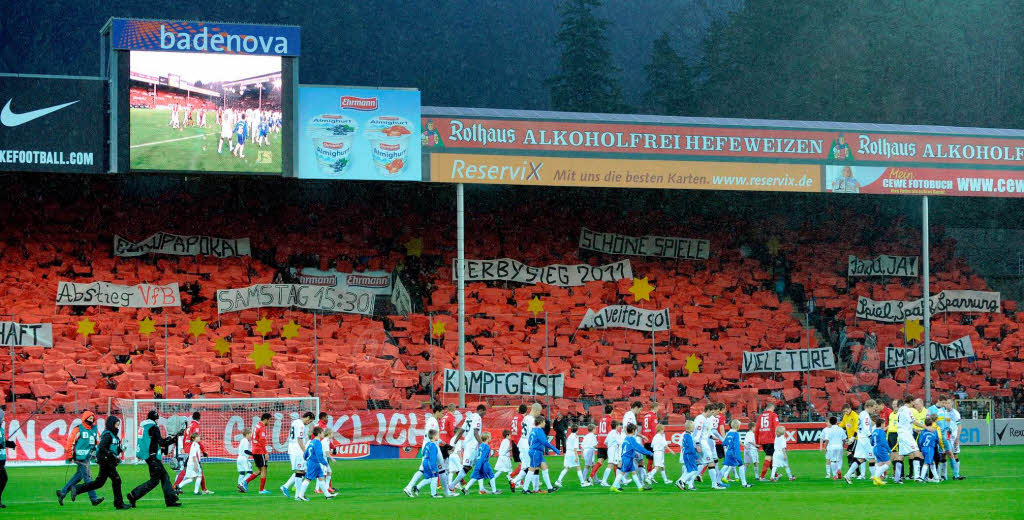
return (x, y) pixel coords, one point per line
(3, 506)
(174, 504)
(131, 499)
(122, 506)
(96, 502)
(74, 493)
(959, 478)
(60, 497)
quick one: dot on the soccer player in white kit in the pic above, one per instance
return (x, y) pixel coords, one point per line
(227, 129)
(431, 424)
(658, 446)
(614, 443)
(243, 462)
(504, 462)
(863, 452)
(907, 444)
(470, 431)
(572, 458)
(589, 446)
(297, 451)
(529, 421)
(704, 430)
(834, 440)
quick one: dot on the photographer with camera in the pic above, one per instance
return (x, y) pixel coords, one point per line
(149, 447)
(108, 457)
(80, 448)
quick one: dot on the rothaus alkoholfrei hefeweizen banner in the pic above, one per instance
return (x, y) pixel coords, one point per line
(106, 294)
(904, 357)
(482, 382)
(794, 360)
(895, 311)
(626, 317)
(310, 297)
(883, 265)
(648, 245)
(182, 245)
(561, 275)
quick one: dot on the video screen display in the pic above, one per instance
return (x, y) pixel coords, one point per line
(201, 112)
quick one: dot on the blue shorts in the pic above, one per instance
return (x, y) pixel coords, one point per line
(881, 455)
(429, 470)
(536, 458)
(690, 463)
(314, 470)
(731, 460)
(929, 455)
(483, 472)
(263, 133)
(628, 464)
(241, 139)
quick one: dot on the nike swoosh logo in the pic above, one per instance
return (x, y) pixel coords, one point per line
(9, 118)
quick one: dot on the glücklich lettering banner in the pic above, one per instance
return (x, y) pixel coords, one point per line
(400, 297)
(182, 245)
(377, 282)
(905, 357)
(482, 382)
(626, 317)
(648, 245)
(895, 311)
(106, 294)
(883, 265)
(26, 334)
(795, 360)
(309, 297)
(560, 275)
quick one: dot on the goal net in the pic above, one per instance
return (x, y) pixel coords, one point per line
(221, 422)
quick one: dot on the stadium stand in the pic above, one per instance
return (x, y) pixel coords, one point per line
(747, 296)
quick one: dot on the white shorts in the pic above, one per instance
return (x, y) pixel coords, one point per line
(907, 444)
(659, 458)
(615, 456)
(326, 468)
(863, 450)
(952, 443)
(524, 449)
(707, 453)
(751, 455)
(780, 460)
(834, 454)
(225, 133)
(193, 470)
(244, 465)
(504, 465)
(470, 452)
(454, 464)
(572, 460)
(297, 458)
(589, 456)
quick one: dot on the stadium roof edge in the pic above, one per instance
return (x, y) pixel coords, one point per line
(428, 111)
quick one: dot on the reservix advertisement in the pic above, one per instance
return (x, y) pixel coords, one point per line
(52, 124)
(347, 133)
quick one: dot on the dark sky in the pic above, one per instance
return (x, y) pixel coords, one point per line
(482, 53)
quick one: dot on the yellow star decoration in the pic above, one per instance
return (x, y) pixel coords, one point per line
(264, 326)
(641, 289)
(290, 330)
(912, 330)
(438, 329)
(158, 390)
(773, 246)
(536, 306)
(146, 327)
(86, 327)
(262, 355)
(693, 364)
(197, 327)
(222, 346)
(414, 247)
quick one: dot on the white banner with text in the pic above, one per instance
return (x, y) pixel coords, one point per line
(482, 382)
(309, 297)
(182, 245)
(883, 265)
(904, 357)
(895, 311)
(795, 360)
(106, 294)
(26, 334)
(626, 317)
(561, 275)
(648, 245)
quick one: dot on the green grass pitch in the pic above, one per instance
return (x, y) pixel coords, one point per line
(156, 146)
(372, 489)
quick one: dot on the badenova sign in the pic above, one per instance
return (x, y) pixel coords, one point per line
(211, 37)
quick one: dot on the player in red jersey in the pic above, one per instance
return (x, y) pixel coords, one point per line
(259, 453)
(764, 435)
(447, 426)
(648, 423)
(193, 428)
(516, 431)
(603, 427)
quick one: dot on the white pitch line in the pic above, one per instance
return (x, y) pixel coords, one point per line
(171, 140)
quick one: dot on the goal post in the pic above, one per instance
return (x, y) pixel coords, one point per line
(220, 425)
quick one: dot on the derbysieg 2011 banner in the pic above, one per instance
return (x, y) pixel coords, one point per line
(106, 294)
(207, 37)
(482, 382)
(309, 297)
(26, 334)
(895, 311)
(883, 265)
(182, 245)
(649, 245)
(561, 275)
(796, 360)
(905, 357)
(377, 282)
(626, 317)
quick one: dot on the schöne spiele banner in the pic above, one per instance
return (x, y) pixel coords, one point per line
(357, 133)
(208, 37)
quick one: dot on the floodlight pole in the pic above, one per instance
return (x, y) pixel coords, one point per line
(316, 360)
(925, 302)
(460, 240)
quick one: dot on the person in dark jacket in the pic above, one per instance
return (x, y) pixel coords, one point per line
(108, 456)
(3, 456)
(150, 444)
(561, 428)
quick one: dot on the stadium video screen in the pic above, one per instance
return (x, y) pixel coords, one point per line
(200, 112)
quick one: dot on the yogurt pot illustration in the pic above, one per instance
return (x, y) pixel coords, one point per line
(332, 136)
(389, 143)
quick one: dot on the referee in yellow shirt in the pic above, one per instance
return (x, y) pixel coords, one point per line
(850, 422)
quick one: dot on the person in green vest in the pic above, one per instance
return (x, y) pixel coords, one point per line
(148, 448)
(80, 448)
(3, 456)
(108, 456)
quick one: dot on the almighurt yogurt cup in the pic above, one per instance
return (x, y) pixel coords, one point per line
(389, 143)
(332, 136)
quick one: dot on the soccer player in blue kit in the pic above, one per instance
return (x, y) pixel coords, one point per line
(880, 447)
(241, 132)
